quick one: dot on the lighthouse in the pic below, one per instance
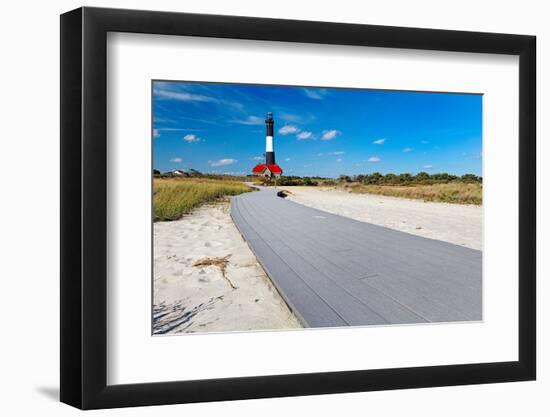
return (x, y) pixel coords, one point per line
(269, 152)
(270, 168)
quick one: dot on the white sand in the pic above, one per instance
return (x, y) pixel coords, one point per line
(454, 223)
(199, 299)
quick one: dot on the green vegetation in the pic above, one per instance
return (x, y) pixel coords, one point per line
(408, 179)
(296, 181)
(193, 173)
(440, 187)
(458, 192)
(174, 197)
(177, 193)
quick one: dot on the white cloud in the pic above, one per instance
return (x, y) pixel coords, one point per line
(190, 138)
(304, 135)
(288, 129)
(287, 159)
(379, 141)
(330, 134)
(374, 159)
(250, 121)
(339, 160)
(315, 93)
(337, 153)
(166, 91)
(182, 96)
(176, 160)
(427, 167)
(222, 162)
(295, 118)
(258, 158)
(407, 150)
(177, 129)
(156, 133)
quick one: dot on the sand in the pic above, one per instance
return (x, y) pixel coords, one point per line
(203, 298)
(206, 279)
(454, 223)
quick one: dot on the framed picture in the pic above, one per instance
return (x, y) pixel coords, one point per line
(257, 208)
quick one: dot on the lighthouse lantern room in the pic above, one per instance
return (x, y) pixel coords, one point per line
(270, 168)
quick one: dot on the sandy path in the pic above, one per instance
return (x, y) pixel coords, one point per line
(190, 299)
(454, 223)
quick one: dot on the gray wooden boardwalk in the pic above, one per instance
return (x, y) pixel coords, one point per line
(335, 271)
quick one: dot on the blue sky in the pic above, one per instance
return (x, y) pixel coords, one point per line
(326, 132)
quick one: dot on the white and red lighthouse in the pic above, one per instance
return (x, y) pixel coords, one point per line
(269, 152)
(269, 168)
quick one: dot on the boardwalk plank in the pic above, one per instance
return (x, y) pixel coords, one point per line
(447, 285)
(335, 271)
(444, 286)
(308, 307)
(387, 308)
(352, 310)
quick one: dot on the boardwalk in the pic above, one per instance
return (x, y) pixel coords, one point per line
(334, 271)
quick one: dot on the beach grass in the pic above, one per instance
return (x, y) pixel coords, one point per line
(174, 197)
(451, 192)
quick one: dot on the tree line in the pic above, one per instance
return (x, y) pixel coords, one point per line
(406, 178)
(376, 178)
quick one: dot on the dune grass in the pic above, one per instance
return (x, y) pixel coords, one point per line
(174, 197)
(451, 192)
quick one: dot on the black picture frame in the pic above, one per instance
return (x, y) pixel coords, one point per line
(84, 207)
